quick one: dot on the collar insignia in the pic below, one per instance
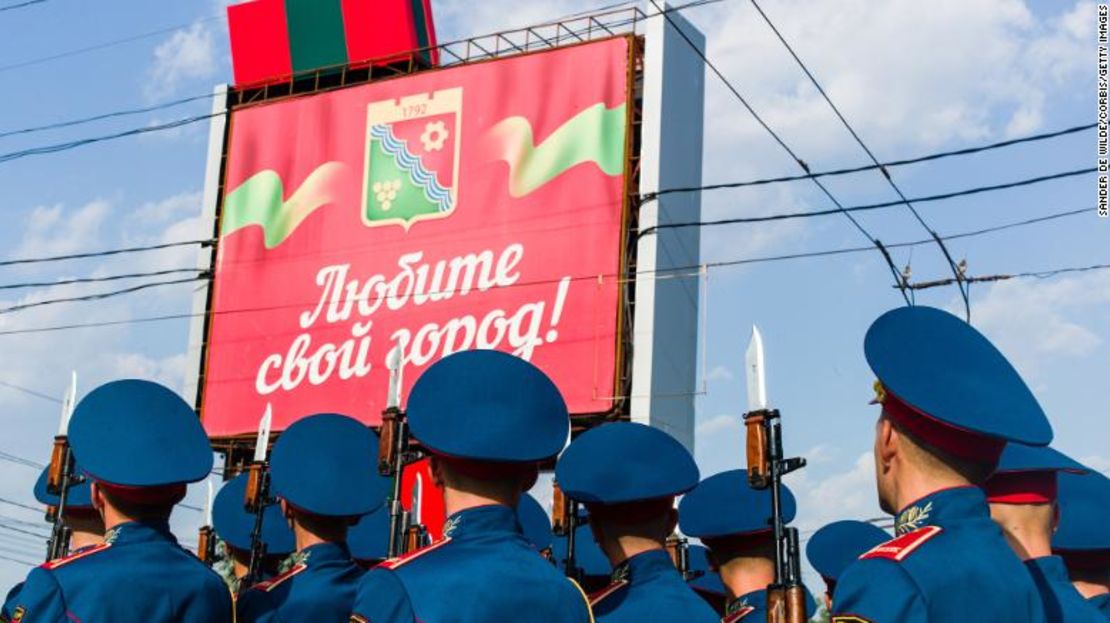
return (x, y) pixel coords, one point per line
(622, 573)
(912, 518)
(450, 526)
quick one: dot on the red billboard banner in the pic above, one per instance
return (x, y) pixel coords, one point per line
(481, 206)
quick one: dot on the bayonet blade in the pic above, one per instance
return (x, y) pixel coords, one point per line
(208, 506)
(417, 496)
(263, 439)
(757, 385)
(68, 403)
(393, 363)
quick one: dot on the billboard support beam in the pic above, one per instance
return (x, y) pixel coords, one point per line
(665, 327)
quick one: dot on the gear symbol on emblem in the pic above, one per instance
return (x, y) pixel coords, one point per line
(434, 136)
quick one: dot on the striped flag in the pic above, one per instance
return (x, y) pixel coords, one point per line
(273, 40)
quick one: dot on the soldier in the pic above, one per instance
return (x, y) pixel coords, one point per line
(233, 524)
(733, 521)
(488, 419)
(836, 545)
(1022, 497)
(536, 525)
(590, 566)
(705, 580)
(323, 471)
(950, 401)
(369, 539)
(140, 444)
(85, 525)
(1082, 538)
(628, 475)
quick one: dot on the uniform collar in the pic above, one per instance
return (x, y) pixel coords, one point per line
(942, 508)
(139, 531)
(320, 553)
(481, 521)
(644, 566)
(756, 599)
(1051, 568)
(1101, 602)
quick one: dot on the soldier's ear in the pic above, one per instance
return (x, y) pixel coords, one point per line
(97, 497)
(887, 441)
(1055, 517)
(436, 466)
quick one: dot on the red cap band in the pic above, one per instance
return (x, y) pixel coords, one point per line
(1022, 488)
(958, 442)
(166, 494)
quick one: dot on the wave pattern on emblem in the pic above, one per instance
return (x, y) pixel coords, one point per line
(260, 200)
(595, 135)
(412, 165)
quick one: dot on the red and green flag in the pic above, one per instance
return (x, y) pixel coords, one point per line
(273, 40)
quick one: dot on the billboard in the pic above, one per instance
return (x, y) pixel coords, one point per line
(482, 206)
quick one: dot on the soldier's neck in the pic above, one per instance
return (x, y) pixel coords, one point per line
(456, 501)
(745, 574)
(622, 548)
(81, 538)
(913, 485)
(1091, 589)
(1027, 528)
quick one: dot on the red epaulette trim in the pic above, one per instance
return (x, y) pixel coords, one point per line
(739, 614)
(600, 595)
(65, 560)
(276, 581)
(393, 563)
(900, 547)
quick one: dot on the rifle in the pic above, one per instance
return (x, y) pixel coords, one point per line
(564, 522)
(766, 467)
(679, 549)
(257, 498)
(206, 540)
(61, 476)
(393, 454)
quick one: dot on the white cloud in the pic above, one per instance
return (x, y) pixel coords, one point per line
(169, 371)
(54, 230)
(1035, 322)
(719, 373)
(187, 54)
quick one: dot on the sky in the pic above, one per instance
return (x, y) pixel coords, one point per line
(912, 78)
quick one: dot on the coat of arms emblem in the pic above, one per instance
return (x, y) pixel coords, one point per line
(412, 158)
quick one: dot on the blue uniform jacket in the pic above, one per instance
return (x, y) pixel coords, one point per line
(483, 570)
(139, 574)
(949, 563)
(9, 603)
(1062, 603)
(648, 587)
(320, 587)
(753, 607)
(1102, 604)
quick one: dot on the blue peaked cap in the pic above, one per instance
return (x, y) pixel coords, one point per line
(625, 462)
(941, 366)
(234, 524)
(725, 505)
(327, 464)
(534, 522)
(836, 545)
(369, 538)
(1084, 506)
(136, 433)
(79, 496)
(1019, 457)
(487, 405)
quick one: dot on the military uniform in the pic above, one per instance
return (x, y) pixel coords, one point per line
(138, 440)
(497, 413)
(836, 545)
(635, 469)
(1027, 475)
(945, 385)
(234, 524)
(1081, 538)
(752, 607)
(326, 465)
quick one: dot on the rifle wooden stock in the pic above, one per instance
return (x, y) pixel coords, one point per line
(416, 538)
(388, 461)
(560, 511)
(253, 497)
(51, 513)
(758, 453)
(56, 474)
(205, 545)
(786, 604)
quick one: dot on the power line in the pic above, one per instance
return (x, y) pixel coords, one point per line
(58, 147)
(105, 253)
(801, 163)
(21, 531)
(29, 392)
(871, 167)
(737, 262)
(872, 206)
(105, 116)
(37, 509)
(1044, 274)
(106, 278)
(11, 458)
(875, 161)
(20, 5)
(17, 560)
(102, 295)
(101, 46)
